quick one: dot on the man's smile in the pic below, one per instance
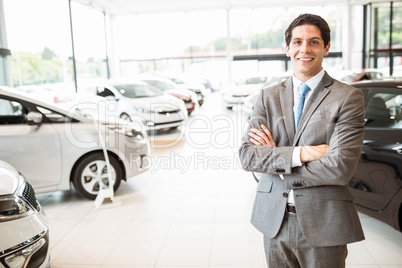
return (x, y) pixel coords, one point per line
(305, 59)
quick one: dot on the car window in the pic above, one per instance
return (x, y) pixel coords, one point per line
(8, 107)
(160, 85)
(104, 92)
(137, 90)
(384, 110)
(11, 112)
(53, 116)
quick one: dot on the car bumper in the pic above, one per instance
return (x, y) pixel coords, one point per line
(231, 101)
(33, 251)
(157, 121)
(134, 155)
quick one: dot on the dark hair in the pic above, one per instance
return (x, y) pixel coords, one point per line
(309, 19)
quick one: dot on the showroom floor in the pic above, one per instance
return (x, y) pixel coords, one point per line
(191, 209)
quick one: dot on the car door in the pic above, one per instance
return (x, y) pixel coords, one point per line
(34, 149)
(378, 175)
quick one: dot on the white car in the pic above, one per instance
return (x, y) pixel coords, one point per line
(182, 82)
(168, 86)
(238, 92)
(55, 147)
(250, 100)
(139, 101)
(24, 227)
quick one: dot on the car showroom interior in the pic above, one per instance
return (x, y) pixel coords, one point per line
(122, 125)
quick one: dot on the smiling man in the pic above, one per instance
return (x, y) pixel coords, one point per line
(305, 137)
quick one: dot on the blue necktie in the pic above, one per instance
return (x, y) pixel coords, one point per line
(302, 89)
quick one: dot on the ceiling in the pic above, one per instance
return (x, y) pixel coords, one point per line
(135, 7)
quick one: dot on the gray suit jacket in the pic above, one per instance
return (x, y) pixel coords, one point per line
(333, 115)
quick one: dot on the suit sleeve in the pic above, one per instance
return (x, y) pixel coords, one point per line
(262, 159)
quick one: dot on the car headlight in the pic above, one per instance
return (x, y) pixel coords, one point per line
(143, 110)
(12, 207)
(131, 131)
(20, 204)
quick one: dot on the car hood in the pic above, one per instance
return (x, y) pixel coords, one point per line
(182, 92)
(245, 89)
(9, 178)
(164, 102)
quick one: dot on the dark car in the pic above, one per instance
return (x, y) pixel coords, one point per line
(377, 182)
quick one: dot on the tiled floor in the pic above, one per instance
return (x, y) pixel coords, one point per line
(191, 209)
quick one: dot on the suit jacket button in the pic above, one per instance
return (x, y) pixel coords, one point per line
(285, 194)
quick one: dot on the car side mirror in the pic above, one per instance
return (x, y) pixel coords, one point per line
(34, 118)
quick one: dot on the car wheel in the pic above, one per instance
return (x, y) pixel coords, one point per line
(91, 173)
(256, 176)
(125, 117)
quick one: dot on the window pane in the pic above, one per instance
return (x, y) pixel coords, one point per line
(39, 41)
(89, 43)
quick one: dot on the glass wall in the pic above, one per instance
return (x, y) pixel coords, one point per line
(4, 51)
(90, 50)
(201, 42)
(40, 40)
(383, 47)
(259, 32)
(192, 41)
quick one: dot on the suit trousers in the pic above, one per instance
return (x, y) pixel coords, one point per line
(289, 249)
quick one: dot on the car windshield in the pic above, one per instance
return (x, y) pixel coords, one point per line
(160, 85)
(256, 80)
(137, 90)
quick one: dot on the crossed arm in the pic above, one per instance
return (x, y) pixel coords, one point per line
(307, 153)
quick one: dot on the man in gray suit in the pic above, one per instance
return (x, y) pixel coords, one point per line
(305, 137)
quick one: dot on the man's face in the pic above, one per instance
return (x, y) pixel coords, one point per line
(306, 51)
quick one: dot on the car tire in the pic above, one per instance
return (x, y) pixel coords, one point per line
(256, 176)
(91, 172)
(126, 117)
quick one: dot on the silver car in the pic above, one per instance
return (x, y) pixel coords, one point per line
(238, 92)
(55, 147)
(139, 101)
(24, 227)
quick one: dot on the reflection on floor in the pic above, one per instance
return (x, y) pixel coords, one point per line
(191, 209)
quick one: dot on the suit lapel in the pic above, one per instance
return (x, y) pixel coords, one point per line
(286, 100)
(314, 101)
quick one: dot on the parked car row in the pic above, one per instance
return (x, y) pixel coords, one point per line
(377, 181)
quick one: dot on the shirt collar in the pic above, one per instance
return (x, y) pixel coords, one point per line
(312, 82)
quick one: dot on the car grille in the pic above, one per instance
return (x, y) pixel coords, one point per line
(169, 112)
(29, 195)
(240, 95)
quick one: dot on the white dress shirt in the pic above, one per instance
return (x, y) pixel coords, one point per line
(312, 83)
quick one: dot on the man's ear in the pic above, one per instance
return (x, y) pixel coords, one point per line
(287, 51)
(327, 48)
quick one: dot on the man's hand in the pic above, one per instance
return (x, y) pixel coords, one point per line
(258, 137)
(312, 153)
